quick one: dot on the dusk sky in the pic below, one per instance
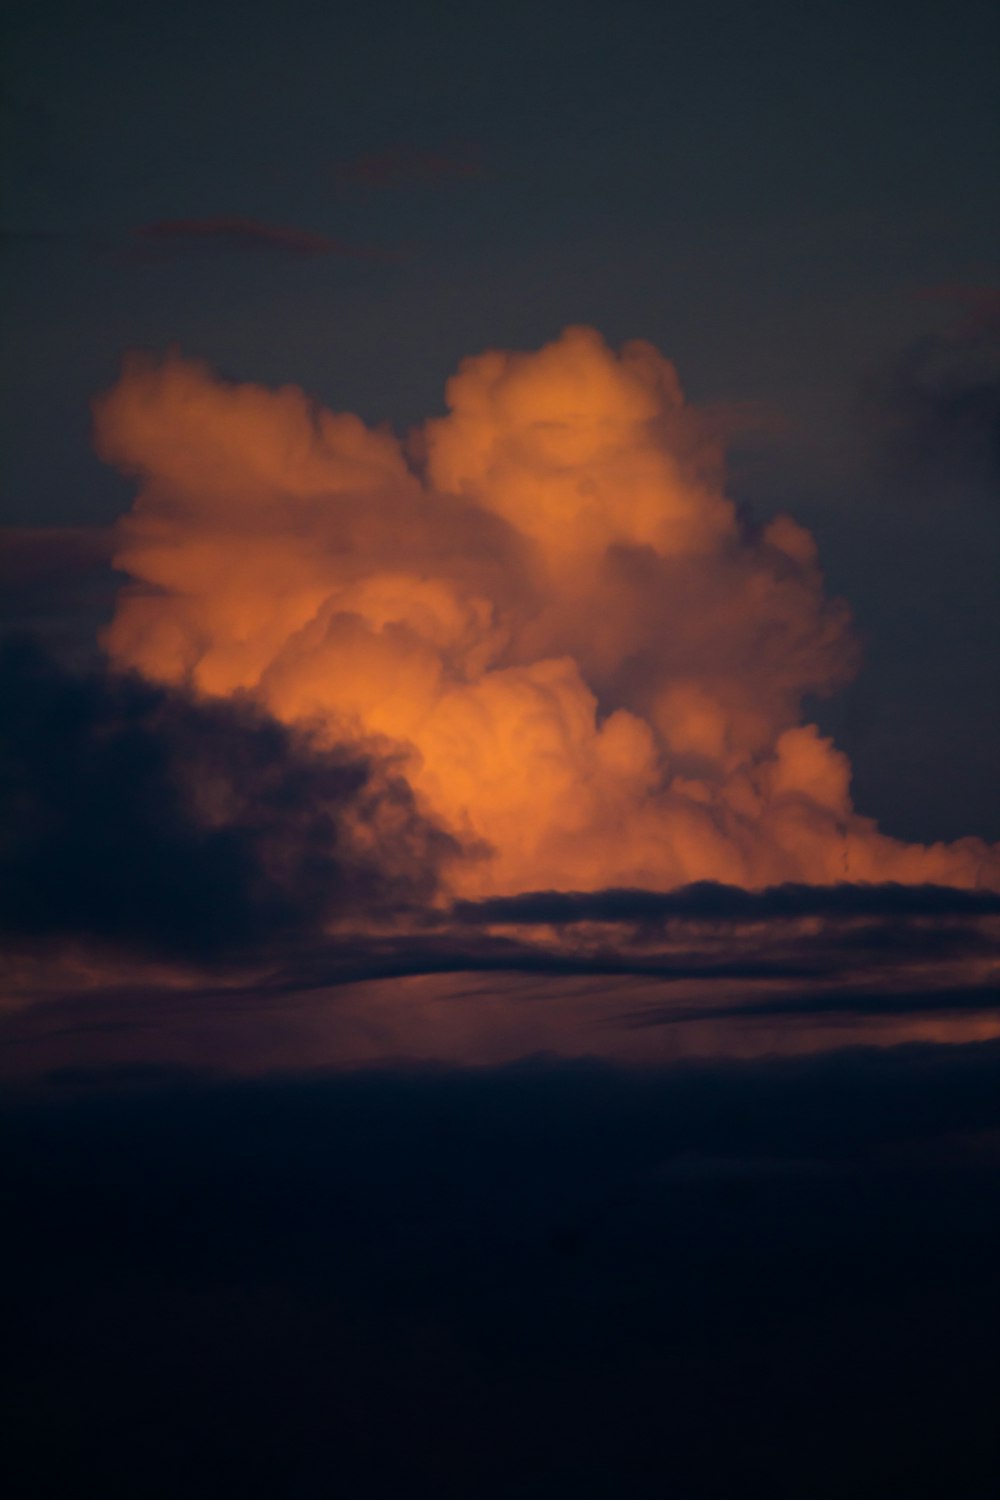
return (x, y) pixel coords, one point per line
(499, 729)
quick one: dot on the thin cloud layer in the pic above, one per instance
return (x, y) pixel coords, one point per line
(141, 824)
(710, 902)
(590, 666)
(233, 232)
(409, 166)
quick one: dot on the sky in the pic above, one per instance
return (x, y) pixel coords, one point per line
(500, 685)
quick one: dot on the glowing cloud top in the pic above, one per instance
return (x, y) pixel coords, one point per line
(591, 668)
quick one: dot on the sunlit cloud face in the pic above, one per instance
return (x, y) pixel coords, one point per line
(592, 667)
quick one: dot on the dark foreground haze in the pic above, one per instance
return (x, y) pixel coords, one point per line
(551, 1278)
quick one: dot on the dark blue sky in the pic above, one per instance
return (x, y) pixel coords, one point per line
(796, 204)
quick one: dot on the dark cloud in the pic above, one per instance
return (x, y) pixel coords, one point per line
(964, 999)
(873, 969)
(876, 953)
(935, 415)
(474, 991)
(375, 956)
(143, 824)
(135, 818)
(710, 901)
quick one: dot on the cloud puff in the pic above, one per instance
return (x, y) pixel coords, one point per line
(591, 666)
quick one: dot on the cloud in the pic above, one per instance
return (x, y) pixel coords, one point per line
(709, 901)
(409, 166)
(832, 947)
(139, 822)
(236, 233)
(935, 413)
(568, 976)
(961, 999)
(590, 663)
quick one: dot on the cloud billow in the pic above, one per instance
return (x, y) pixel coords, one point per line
(591, 665)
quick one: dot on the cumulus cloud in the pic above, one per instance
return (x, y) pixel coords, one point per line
(708, 901)
(590, 666)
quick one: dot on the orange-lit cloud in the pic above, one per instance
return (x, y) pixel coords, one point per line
(592, 666)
